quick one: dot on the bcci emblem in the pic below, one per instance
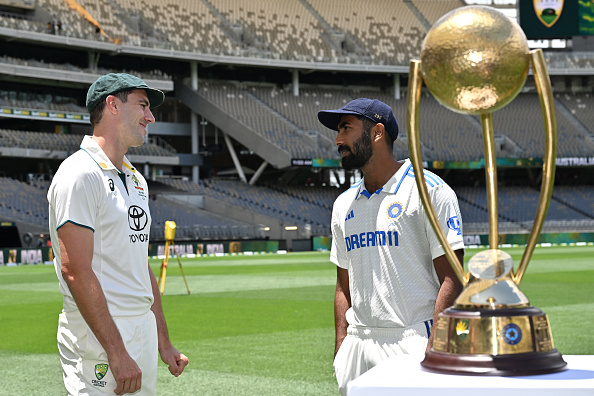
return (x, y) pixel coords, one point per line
(101, 370)
(548, 11)
(394, 210)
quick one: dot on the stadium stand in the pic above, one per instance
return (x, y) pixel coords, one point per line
(433, 10)
(314, 31)
(193, 223)
(22, 202)
(300, 32)
(579, 198)
(273, 203)
(71, 143)
(239, 101)
(579, 105)
(283, 29)
(73, 24)
(152, 75)
(388, 37)
(517, 208)
(185, 25)
(290, 122)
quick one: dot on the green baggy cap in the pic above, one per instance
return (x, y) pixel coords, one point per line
(113, 83)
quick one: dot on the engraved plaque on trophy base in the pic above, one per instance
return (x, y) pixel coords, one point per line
(509, 342)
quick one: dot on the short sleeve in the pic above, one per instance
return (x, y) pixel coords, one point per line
(74, 198)
(338, 250)
(446, 207)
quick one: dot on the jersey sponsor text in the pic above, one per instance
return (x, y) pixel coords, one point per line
(370, 239)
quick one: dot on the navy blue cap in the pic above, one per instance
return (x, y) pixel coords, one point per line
(373, 109)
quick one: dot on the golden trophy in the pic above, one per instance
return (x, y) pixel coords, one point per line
(475, 60)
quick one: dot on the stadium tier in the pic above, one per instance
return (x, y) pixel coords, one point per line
(22, 202)
(57, 142)
(517, 209)
(315, 30)
(571, 207)
(257, 73)
(289, 122)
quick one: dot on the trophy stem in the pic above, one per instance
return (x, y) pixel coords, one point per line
(415, 83)
(491, 178)
(545, 93)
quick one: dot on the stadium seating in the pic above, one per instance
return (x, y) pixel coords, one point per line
(71, 143)
(390, 32)
(291, 123)
(239, 101)
(313, 31)
(20, 201)
(384, 40)
(186, 25)
(195, 223)
(517, 205)
(330, 31)
(570, 207)
(289, 208)
(433, 10)
(283, 28)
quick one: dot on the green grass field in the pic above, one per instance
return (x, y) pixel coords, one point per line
(257, 325)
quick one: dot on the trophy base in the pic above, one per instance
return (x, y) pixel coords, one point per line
(504, 342)
(532, 363)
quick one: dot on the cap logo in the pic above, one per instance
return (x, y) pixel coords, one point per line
(379, 117)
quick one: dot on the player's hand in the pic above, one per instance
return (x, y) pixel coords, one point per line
(176, 360)
(127, 374)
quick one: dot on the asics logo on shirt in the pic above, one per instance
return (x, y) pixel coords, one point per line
(454, 224)
(371, 239)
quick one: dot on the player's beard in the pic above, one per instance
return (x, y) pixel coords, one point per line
(360, 153)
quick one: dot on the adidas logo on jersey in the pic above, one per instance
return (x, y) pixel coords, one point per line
(350, 215)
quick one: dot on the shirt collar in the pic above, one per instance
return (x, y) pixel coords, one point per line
(91, 147)
(392, 185)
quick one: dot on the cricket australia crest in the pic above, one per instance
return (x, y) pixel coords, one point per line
(549, 11)
(101, 370)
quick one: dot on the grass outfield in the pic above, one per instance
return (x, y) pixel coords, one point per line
(257, 325)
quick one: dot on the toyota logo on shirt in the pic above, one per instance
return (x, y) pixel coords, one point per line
(137, 218)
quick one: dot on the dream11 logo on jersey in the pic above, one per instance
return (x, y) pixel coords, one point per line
(137, 220)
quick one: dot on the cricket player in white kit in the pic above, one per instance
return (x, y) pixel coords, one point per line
(392, 275)
(112, 327)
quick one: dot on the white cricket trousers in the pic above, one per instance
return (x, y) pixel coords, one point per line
(84, 361)
(365, 347)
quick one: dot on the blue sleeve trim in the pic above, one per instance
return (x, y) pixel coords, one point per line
(75, 223)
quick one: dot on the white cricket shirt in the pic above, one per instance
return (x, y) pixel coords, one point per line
(387, 244)
(88, 191)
